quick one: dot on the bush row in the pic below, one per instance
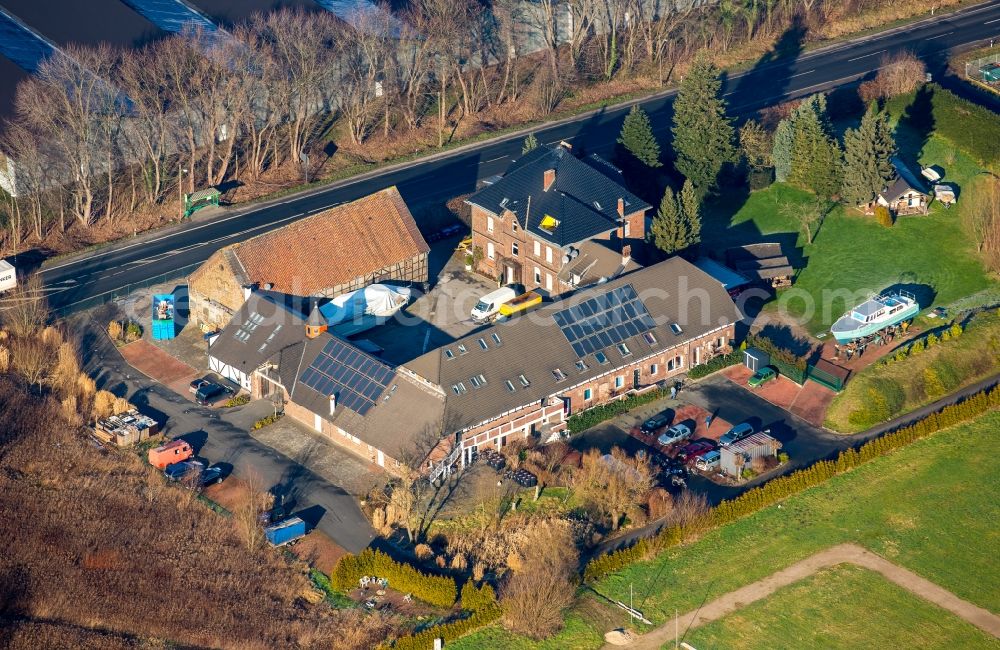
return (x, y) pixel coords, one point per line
(778, 354)
(782, 487)
(448, 631)
(435, 590)
(594, 416)
(715, 364)
(803, 479)
(967, 125)
(475, 599)
(917, 346)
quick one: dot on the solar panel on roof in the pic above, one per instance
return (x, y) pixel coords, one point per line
(604, 320)
(356, 379)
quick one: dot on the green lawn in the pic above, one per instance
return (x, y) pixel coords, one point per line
(842, 607)
(930, 507)
(956, 363)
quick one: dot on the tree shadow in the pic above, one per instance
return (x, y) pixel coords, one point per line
(771, 74)
(924, 293)
(784, 337)
(916, 125)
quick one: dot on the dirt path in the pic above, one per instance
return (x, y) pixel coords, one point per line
(840, 554)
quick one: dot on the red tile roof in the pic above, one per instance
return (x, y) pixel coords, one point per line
(335, 246)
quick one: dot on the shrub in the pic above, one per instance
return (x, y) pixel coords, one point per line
(899, 74)
(448, 631)
(585, 419)
(115, 330)
(884, 399)
(932, 340)
(133, 332)
(435, 590)
(883, 216)
(956, 330)
(782, 457)
(238, 400)
(917, 347)
(715, 364)
(476, 599)
(266, 420)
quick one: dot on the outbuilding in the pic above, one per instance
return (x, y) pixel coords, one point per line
(755, 359)
(737, 456)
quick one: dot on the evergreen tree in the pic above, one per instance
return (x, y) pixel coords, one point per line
(690, 207)
(668, 228)
(703, 134)
(867, 153)
(784, 138)
(816, 156)
(530, 144)
(638, 140)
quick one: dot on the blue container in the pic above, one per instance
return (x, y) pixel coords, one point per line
(285, 532)
(163, 317)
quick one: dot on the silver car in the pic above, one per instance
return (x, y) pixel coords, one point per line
(674, 434)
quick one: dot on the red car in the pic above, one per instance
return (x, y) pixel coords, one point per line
(690, 452)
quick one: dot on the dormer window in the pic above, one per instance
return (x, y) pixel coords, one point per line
(548, 224)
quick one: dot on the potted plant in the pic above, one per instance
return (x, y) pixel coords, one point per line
(468, 261)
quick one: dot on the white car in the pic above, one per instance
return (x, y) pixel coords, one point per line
(674, 434)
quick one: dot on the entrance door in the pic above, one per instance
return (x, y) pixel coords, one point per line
(380, 458)
(510, 275)
(636, 379)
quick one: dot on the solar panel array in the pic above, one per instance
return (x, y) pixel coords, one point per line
(356, 379)
(604, 320)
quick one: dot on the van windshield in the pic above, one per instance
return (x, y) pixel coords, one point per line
(482, 306)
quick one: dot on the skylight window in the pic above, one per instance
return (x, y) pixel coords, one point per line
(581, 365)
(448, 353)
(624, 349)
(462, 349)
(510, 385)
(496, 338)
(524, 380)
(558, 374)
(483, 345)
(549, 223)
(478, 381)
(460, 388)
(474, 381)
(649, 338)
(676, 328)
(601, 358)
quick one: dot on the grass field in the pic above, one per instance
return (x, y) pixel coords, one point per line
(842, 607)
(930, 507)
(957, 363)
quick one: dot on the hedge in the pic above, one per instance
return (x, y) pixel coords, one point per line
(594, 416)
(474, 599)
(785, 486)
(448, 631)
(716, 364)
(434, 590)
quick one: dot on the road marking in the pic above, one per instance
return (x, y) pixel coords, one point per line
(493, 160)
(990, 22)
(938, 36)
(865, 56)
(802, 73)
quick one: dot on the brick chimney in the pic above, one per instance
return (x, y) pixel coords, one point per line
(621, 208)
(548, 179)
(626, 254)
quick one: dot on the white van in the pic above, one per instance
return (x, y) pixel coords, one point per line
(709, 461)
(8, 276)
(489, 305)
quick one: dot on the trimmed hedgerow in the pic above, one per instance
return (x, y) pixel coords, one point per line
(715, 364)
(434, 590)
(594, 416)
(448, 631)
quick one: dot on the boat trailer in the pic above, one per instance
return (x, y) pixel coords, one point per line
(881, 337)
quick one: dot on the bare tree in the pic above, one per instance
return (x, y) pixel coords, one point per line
(24, 309)
(249, 513)
(542, 585)
(613, 484)
(363, 59)
(32, 358)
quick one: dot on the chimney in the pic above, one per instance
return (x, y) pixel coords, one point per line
(315, 325)
(548, 179)
(626, 254)
(621, 208)
(333, 404)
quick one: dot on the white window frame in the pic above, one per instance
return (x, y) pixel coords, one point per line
(538, 248)
(627, 228)
(514, 249)
(548, 255)
(588, 394)
(548, 282)
(619, 382)
(538, 275)
(489, 224)
(491, 252)
(654, 369)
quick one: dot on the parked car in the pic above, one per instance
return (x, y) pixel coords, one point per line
(177, 471)
(676, 433)
(653, 425)
(198, 383)
(694, 449)
(208, 393)
(737, 433)
(708, 461)
(210, 476)
(762, 376)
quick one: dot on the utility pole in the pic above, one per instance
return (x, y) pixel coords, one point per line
(440, 119)
(676, 630)
(180, 190)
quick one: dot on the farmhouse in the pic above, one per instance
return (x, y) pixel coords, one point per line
(534, 226)
(506, 382)
(342, 249)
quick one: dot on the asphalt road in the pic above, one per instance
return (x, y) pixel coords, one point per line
(439, 178)
(323, 505)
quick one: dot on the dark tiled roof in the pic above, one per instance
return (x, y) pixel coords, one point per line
(905, 181)
(534, 346)
(583, 198)
(266, 323)
(597, 261)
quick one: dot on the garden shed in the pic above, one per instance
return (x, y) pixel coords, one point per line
(755, 359)
(739, 455)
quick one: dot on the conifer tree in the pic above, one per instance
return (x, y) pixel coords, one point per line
(668, 228)
(703, 134)
(868, 150)
(690, 208)
(638, 140)
(784, 138)
(530, 144)
(816, 157)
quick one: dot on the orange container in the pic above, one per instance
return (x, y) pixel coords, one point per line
(173, 452)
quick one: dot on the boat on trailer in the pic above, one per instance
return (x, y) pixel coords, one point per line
(874, 315)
